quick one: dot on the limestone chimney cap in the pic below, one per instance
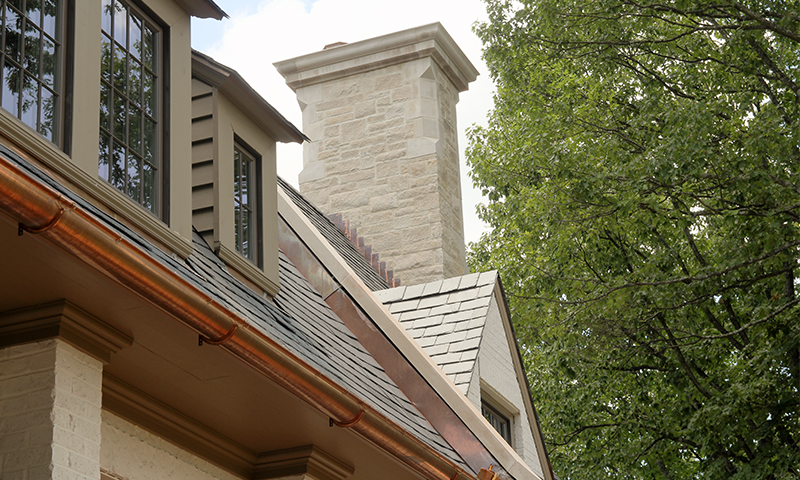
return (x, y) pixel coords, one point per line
(426, 41)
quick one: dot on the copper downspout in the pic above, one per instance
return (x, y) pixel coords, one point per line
(31, 203)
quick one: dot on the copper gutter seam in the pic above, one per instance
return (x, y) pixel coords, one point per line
(81, 234)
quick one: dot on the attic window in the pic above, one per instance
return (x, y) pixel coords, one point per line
(497, 420)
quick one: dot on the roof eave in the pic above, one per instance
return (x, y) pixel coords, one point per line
(236, 88)
(88, 239)
(203, 9)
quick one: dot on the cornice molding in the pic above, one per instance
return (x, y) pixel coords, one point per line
(63, 320)
(145, 411)
(349, 59)
(307, 460)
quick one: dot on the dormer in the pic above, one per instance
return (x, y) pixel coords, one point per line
(96, 92)
(234, 179)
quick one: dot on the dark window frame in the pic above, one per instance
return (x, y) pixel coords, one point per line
(257, 237)
(51, 82)
(497, 420)
(121, 140)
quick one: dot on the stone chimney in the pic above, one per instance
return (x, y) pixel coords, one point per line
(381, 116)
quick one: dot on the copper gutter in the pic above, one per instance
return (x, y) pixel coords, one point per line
(34, 204)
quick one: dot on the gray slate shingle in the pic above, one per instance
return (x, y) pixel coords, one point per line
(301, 321)
(447, 318)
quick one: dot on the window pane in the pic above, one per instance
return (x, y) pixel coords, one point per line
(33, 12)
(105, 107)
(50, 15)
(13, 33)
(133, 112)
(48, 114)
(149, 144)
(48, 62)
(149, 53)
(11, 87)
(120, 69)
(237, 220)
(245, 189)
(149, 91)
(105, 58)
(134, 177)
(32, 49)
(135, 82)
(136, 37)
(121, 24)
(30, 102)
(148, 187)
(135, 129)
(104, 155)
(107, 10)
(245, 216)
(120, 120)
(118, 167)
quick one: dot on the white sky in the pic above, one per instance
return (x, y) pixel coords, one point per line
(261, 32)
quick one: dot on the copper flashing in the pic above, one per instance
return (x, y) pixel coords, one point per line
(396, 366)
(84, 236)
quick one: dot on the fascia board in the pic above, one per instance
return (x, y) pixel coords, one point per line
(400, 338)
(203, 9)
(241, 94)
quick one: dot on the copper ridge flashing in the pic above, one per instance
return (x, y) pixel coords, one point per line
(435, 395)
(81, 234)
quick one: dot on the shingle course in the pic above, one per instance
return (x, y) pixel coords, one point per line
(450, 314)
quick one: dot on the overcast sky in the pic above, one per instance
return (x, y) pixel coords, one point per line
(261, 32)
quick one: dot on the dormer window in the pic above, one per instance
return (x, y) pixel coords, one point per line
(130, 89)
(30, 53)
(246, 192)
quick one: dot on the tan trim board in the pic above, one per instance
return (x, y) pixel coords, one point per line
(247, 269)
(140, 409)
(298, 461)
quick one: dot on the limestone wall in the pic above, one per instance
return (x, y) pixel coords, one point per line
(384, 153)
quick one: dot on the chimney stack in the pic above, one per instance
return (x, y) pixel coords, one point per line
(381, 116)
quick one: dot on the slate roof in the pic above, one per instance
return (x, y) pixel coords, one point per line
(337, 239)
(446, 318)
(301, 321)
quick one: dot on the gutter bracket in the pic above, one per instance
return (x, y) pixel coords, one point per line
(45, 227)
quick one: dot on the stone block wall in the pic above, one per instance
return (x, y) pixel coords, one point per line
(50, 402)
(384, 154)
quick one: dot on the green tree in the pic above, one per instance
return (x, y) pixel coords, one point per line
(641, 168)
